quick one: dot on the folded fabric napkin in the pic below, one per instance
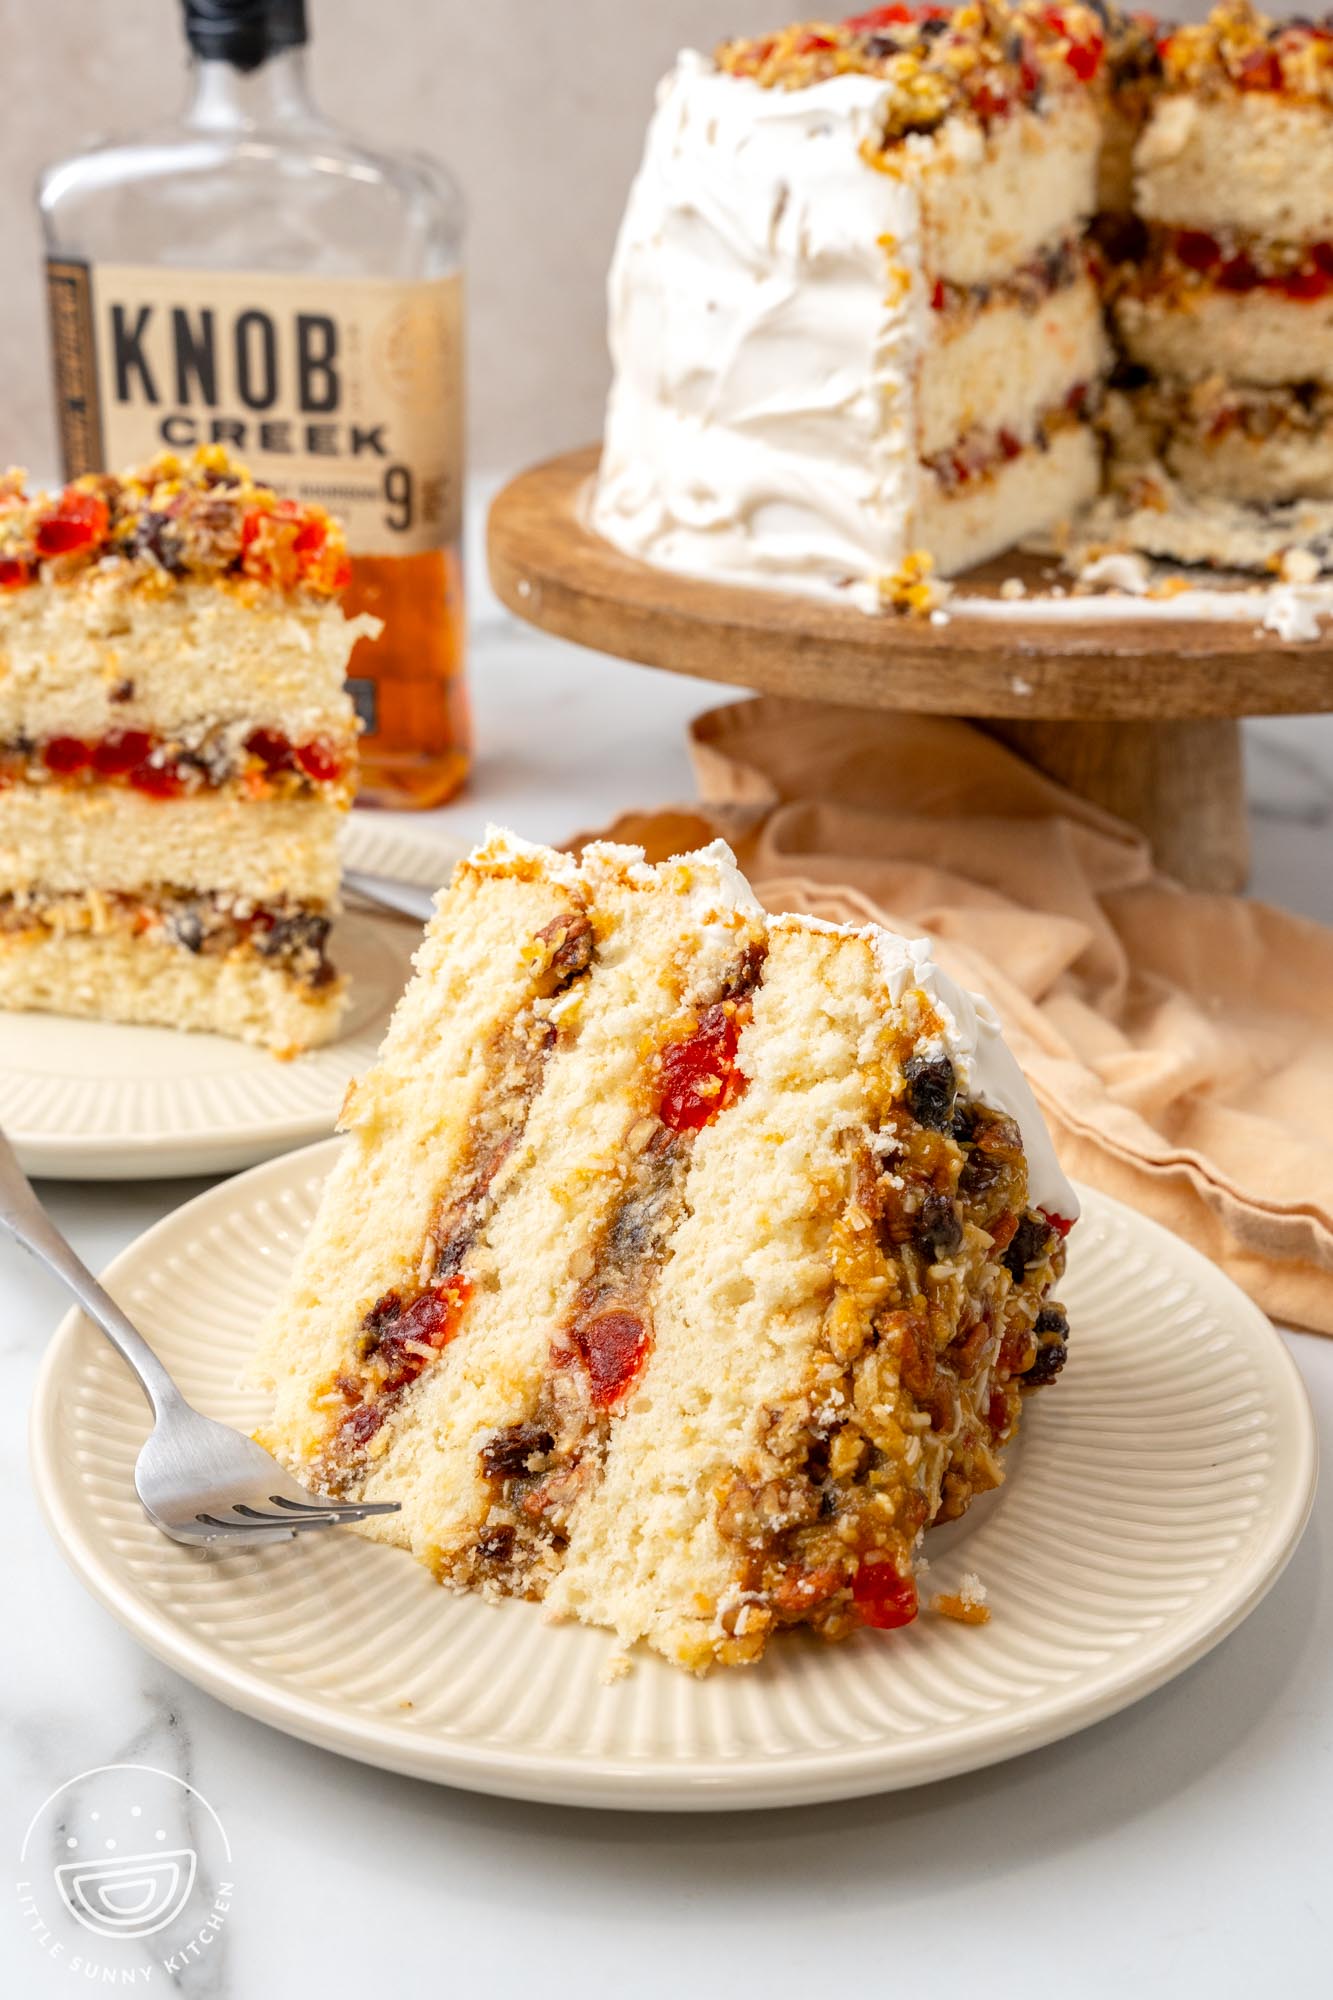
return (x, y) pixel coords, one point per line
(1181, 1044)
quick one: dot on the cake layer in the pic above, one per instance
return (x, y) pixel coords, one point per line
(990, 200)
(520, 1264)
(113, 838)
(1257, 446)
(109, 655)
(1000, 368)
(1255, 337)
(1244, 160)
(117, 976)
(486, 963)
(1031, 493)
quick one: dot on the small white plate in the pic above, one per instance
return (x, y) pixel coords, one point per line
(98, 1101)
(1158, 1490)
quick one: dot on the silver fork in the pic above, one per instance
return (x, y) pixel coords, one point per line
(198, 1481)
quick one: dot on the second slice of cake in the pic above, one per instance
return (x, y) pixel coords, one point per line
(682, 1263)
(177, 752)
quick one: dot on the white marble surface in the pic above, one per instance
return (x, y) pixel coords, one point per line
(1180, 1849)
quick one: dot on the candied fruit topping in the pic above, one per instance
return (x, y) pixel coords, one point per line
(884, 1598)
(175, 518)
(699, 1077)
(79, 521)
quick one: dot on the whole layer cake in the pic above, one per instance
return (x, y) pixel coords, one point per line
(874, 275)
(681, 1264)
(177, 752)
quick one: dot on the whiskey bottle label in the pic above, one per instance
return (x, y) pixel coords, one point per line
(344, 391)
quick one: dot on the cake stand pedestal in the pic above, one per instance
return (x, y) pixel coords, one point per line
(1136, 713)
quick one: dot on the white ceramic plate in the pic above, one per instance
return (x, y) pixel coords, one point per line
(1158, 1490)
(98, 1101)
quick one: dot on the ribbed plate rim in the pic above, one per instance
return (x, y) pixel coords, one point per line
(609, 1781)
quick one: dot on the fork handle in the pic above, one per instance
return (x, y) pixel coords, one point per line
(23, 1217)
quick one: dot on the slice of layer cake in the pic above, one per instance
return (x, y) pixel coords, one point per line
(177, 752)
(1222, 298)
(852, 318)
(681, 1265)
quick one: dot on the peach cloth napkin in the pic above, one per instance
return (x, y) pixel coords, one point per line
(1181, 1045)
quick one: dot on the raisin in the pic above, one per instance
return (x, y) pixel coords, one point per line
(506, 1453)
(495, 1546)
(939, 1228)
(122, 691)
(1051, 1319)
(963, 1124)
(1028, 1246)
(1050, 1360)
(931, 1090)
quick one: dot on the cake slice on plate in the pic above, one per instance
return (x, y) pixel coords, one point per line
(681, 1264)
(177, 752)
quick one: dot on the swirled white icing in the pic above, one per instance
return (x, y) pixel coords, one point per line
(766, 314)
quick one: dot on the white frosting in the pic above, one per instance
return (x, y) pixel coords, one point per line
(1292, 611)
(760, 427)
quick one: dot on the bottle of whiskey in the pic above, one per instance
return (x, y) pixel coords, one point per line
(249, 275)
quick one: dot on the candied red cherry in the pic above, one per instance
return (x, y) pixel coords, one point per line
(271, 747)
(1322, 255)
(989, 104)
(361, 1425)
(1239, 274)
(311, 536)
(883, 1598)
(1085, 59)
(67, 754)
(1260, 70)
(119, 752)
(614, 1347)
(699, 1074)
(1010, 446)
(884, 17)
(157, 781)
(1197, 250)
(318, 762)
(939, 296)
(1311, 283)
(79, 520)
(1061, 1224)
(14, 572)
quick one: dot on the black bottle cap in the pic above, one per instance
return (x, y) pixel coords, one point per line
(244, 32)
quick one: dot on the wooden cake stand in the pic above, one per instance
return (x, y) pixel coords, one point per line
(1136, 714)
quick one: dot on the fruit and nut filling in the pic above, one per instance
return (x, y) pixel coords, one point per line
(404, 1330)
(292, 937)
(258, 763)
(540, 1467)
(979, 454)
(939, 1318)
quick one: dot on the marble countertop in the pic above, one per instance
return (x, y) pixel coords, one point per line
(1180, 1848)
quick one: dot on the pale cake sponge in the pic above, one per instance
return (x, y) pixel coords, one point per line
(681, 1264)
(177, 751)
(121, 976)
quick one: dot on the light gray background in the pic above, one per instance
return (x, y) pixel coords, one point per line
(538, 105)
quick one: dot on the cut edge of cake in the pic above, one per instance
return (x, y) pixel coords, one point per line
(679, 1265)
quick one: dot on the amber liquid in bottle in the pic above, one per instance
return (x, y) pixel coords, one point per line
(416, 747)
